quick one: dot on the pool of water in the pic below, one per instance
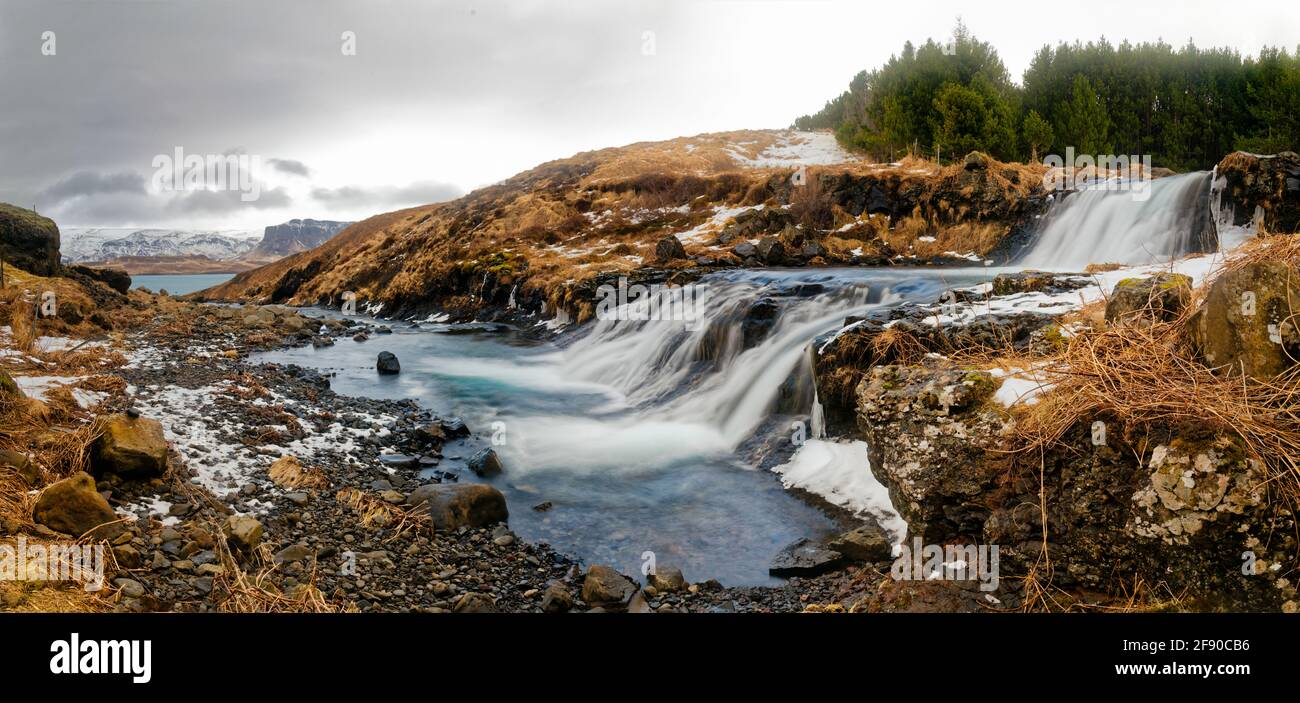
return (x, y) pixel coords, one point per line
(179, 284)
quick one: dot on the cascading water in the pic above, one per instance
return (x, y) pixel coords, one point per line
(1106, 224)
(638, 431)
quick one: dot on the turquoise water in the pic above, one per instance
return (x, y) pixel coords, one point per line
(180, 284)
(628, 432)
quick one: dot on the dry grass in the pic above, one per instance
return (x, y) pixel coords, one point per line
(1146, 376)
(373, 512)
(253, 590)
(288, 472)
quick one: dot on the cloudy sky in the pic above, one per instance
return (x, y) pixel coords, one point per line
(441, 97)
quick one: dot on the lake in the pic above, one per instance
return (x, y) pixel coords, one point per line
(180, 284)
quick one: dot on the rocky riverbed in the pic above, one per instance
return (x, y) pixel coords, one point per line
(242, 486)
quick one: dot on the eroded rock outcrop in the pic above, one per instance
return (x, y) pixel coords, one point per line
(1169, 507)
(1246, 324)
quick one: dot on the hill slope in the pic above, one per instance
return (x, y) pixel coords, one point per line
(544, 238)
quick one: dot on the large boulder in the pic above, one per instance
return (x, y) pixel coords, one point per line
(461, 504)
(131, 447)
(29, 241)
(1245, 323)
(1161, 297)
(73, 506)
(1254, 187)
(387, 364)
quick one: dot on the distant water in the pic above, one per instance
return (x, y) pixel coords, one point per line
(180, 284)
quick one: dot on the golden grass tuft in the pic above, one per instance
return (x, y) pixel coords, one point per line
(288, 472)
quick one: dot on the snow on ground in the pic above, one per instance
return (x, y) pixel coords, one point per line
(721, 215)
(840, 472)
(795, 148)
(1019, 386)
(1099, 286)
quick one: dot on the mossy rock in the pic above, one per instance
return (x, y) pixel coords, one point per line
(73, 506)
(1161, 297)
(29, 241)
(1245, 323)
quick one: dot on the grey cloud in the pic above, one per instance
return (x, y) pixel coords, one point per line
(419, 193)
(83, 183)
(290, 166)
(228, 201)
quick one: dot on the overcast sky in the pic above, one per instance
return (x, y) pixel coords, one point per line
(442, 97)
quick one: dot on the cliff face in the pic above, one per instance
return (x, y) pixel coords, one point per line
(295, 236)
(542, 239)
(29, 241)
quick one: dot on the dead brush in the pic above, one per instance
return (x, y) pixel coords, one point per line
(66, 453)
(374, 512)
(1146, 376)
(104, 383)
(245, 591)
(22, 324)
(15, 500)
(288, 472)
(246, 387)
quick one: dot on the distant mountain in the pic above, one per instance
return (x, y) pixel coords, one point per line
(192, 251)
(82, 244)
(295, 236)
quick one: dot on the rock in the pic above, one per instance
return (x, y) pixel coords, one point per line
(804, 558)
(29, 241)
(1023, 282)
(976, 161)
(556, 598)
(292, 324)
(455, 427)
(812, 249)
(116, 279)
(398, 461)
(638, 603)
(322, 341)
(1244, 325)
(130, 588)
(432, 433)
(745, 250)
(866, 543)
(543, 506)
(1161, 298)
(18, 461)
(770, 251)
(242, 533)
(669, 249)
(387, 364)
(485, 463)
(9, 389)
(292, 553)
(126, 556)
(461, 504)
(667, 579)
(131, 447)
(605, 586)
(474, 603)
(1254, 187)
(73, 506)
(759, 319)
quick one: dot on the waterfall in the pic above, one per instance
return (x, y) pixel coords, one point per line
(1102, 224)
(747, 356)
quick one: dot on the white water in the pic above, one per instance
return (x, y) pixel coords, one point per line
(1104, 225)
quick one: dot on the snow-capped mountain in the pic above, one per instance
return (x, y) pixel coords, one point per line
(81, 244)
